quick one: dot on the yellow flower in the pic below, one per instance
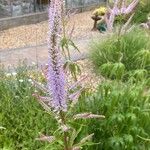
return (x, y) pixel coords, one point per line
(100, 11)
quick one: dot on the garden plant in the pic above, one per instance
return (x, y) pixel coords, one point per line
(118, 57)
(43, 109)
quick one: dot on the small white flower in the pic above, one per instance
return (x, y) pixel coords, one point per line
(30, 80)
(59, 120)
(33, 63)
(8, 74)
(16, 96)
(20, 80)
(35, 91)
(14, 73)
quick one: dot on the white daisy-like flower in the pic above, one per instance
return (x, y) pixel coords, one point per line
(33, 63)
(35, 91)
(30, 80)
(16, 96)
(14, 73)
(8, 74)
(20, 80)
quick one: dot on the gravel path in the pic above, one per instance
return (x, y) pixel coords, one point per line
(36, 34)
(13, 40)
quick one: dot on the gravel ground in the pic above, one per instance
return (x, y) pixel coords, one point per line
(36, 34)
(92, 80)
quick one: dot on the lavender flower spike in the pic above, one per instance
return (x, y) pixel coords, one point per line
(116, 10)
(130, 8)
(56, 76)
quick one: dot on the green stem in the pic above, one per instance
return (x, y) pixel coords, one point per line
(66, 146)
(64, 33)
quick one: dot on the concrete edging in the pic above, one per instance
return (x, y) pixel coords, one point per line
(33, 18)
(10, 22)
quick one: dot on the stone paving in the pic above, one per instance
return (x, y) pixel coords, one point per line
(38, 54)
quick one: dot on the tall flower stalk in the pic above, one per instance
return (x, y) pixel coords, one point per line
(60, 98)
(56, 76)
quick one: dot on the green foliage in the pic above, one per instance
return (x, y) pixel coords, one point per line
(22, 120)
(116, 56)
(73, 68)
(21, 115)
(126, 108)
(66, 45)
(113, 70)
(142, 12)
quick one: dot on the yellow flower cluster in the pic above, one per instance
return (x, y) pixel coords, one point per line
(100, 11)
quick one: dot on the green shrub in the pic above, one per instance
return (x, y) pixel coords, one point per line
(21, 115)
(126, 108)
(115, 56)
(125, 105)
(22, 119)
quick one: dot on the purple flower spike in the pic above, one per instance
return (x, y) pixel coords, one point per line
(56, 76)
(130, 8)
(56, 88)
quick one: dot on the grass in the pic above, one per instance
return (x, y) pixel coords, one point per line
(116, 56)
(21, 115)
(142, 12)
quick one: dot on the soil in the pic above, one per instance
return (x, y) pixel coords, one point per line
(91, 80)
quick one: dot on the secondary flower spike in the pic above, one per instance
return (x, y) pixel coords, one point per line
(124, 9)
(56, 76)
